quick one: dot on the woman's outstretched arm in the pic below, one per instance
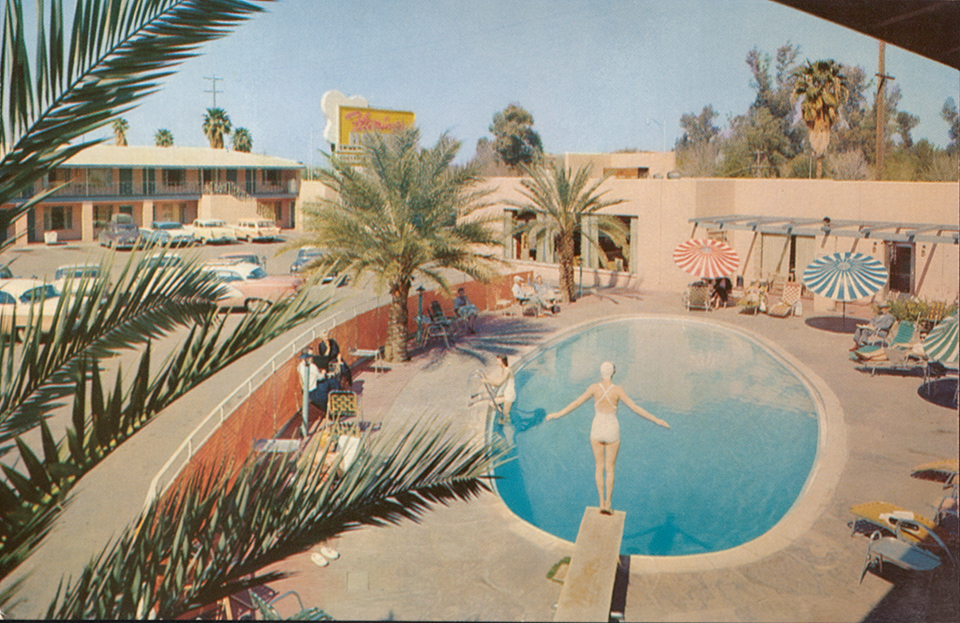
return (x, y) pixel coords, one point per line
(640, 410)
(573, 405)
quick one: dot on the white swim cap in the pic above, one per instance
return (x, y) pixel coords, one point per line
(606, 370)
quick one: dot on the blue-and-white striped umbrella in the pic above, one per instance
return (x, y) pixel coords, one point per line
(943, 342)
(845, 276)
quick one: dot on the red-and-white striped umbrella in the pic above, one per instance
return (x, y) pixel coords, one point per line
(706, 258)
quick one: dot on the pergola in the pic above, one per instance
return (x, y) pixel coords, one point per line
(892, 231)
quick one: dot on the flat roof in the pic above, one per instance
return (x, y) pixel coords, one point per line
(176, 157)
(894, 231)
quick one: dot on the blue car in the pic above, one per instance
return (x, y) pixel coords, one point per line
(167, 233)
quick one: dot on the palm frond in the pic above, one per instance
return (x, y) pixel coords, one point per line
(198, 547)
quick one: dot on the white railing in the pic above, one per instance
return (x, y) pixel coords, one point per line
(210, 424)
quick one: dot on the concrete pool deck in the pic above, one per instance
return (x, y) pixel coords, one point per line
(477, 561)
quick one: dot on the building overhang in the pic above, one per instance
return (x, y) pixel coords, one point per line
(892, 231)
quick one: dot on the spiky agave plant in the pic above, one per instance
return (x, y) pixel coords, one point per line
(211, 539)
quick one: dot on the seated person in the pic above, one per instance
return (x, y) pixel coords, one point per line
(329, 359)
(466, 310)
(721, 292)
(316, 382)
(547, 294)
(879, 326)
(524, 293)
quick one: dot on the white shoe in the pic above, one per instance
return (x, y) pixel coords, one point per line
(331, 554)
(318, 560)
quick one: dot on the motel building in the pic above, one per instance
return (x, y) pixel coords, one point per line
(159, 184)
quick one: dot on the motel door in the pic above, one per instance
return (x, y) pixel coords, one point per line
(900, 264)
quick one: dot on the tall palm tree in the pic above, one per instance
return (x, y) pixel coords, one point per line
(163, 138)
(216, 123)
(560, 199)
(821, 87)
(242, 140)
(195, 548)
(403, 212)
(120, 127)
(85, 73)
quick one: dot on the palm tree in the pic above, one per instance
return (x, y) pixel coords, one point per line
(560, 198)
(81, 77)
(203, 543)
(120, 127)
(163, 138)
(216, 123)
(404, 212)
(242, 141)
(822, 89)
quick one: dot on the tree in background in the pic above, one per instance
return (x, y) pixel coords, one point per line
(821, 89)
(242, 140)
(560, 199)
(163, 138)
(403, 212)
(120, 127)
(216, 124)
(697, 149)
(515, 140)
(950, 115)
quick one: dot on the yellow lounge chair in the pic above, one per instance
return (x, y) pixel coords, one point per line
(788, 301)
(914, 528)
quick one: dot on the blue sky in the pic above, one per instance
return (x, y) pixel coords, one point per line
(591, 72)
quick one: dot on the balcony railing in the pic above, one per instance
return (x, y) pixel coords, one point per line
(153, 189)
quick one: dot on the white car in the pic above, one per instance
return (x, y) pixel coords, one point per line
(75, 273)
(250, 287)
(208, 231)
(18, 296)
(256, 229)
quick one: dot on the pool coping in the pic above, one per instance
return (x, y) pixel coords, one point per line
(811, 502)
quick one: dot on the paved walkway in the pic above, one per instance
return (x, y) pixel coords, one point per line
(475, 560)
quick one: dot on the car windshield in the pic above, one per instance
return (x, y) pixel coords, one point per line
(227, 276)
(168, 226)
(310, 254)
(77, 272)
(35, 294)
(214, 224)
(162, 262)
(6, 298)
(257, 273)
(264, 224)
(125, 227)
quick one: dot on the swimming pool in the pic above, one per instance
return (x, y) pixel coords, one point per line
(742, 442)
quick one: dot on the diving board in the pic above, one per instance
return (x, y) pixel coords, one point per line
(588, 588)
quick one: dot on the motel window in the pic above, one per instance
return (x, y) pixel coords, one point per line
(100, 177)
(271, 177)
(149, 181)
(614, 257)
(174, 177)
(57, 217)
(232, 175)
(208, 176)
(251, 178)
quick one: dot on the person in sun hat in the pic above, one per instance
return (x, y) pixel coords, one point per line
(879, 326)
(605, 430)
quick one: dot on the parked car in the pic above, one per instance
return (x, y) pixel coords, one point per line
(163, 260)
(249, 258)
(209, 231)
(18, 297)
(167, 233)
(307, 256)
(120, 233)
(74, 273)
(256, 229)
(248, 286)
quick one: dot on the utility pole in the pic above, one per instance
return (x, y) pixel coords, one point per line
(882, 78)
(214, 89)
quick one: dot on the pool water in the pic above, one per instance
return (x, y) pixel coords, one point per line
(741, 444)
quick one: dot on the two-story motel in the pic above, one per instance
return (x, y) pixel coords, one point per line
(159, 184)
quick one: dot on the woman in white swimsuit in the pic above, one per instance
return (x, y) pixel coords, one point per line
(605, 431)
(507, 392)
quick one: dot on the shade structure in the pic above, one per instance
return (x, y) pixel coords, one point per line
(939, 471)
(706, 258)
(845, 276)
(941, 344)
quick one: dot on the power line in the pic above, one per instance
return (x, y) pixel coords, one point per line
(214, 89)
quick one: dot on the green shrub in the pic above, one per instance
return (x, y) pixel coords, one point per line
(917, 308)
